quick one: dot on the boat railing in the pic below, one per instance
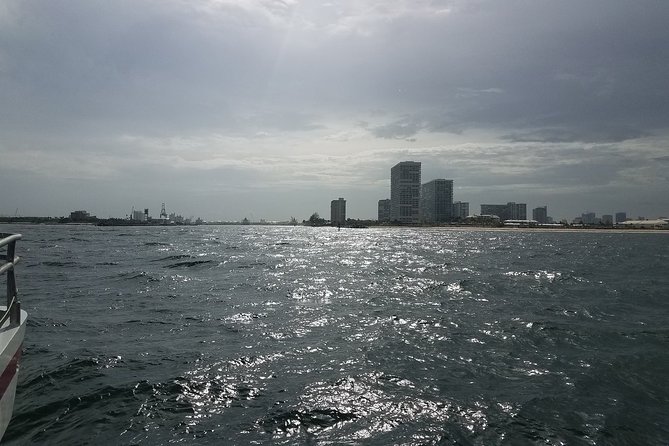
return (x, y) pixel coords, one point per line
(7, 262)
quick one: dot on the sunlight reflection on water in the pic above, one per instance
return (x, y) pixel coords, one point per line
(239, 335)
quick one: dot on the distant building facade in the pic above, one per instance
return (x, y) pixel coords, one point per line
(660, 223)
(436, 201)
(607, 220)
(518, 211)
(509, 211)
(384, 210)
(540, 214)
(494, 209)
(621, 217)
(81, 216)
(405, 192)
(138, 216)
(338, 212)
(460, 210)
(589, 218)
(178, 219)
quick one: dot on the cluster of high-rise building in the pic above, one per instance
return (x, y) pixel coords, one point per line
(413, 202)
(591, 219)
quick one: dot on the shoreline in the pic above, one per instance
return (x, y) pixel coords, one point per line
(463, 228)
(511, 229)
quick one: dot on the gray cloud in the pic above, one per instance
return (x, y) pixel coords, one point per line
(170, 65)
(504, 96)
(400, 129)
(591, 134)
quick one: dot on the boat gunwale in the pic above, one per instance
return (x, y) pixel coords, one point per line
(12, 311)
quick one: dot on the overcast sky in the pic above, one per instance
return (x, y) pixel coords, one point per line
(273, 108)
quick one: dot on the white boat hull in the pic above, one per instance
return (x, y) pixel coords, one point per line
(11, 344)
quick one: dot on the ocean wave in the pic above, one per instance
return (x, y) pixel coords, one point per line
(354, 408)
(387, 336)
(62, 263)
(190, 264)
(142, 276)
(174, 257)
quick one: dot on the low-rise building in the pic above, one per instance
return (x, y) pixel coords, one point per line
(81, 216)
(646, 224)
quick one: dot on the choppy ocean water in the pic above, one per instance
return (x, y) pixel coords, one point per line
(292, 335)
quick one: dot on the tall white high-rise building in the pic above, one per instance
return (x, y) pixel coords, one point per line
(405, 192)
(436, 201)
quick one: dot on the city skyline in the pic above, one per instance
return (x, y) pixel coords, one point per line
(173, 216)
(413, 201)
(270, 109)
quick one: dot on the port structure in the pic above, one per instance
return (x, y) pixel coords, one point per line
(163, 213)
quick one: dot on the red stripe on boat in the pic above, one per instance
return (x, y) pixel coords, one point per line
(9, 372)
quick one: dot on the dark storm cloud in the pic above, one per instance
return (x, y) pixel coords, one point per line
(596, 71)
(586, 69)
